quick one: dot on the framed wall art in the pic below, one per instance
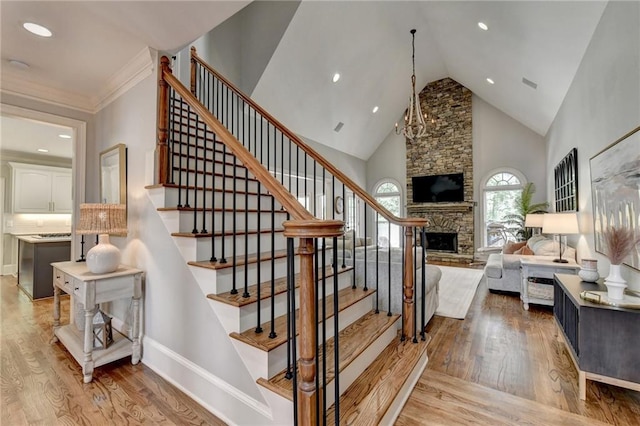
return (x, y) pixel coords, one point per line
(566, 183)
(615, 187)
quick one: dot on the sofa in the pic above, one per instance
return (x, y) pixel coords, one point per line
(347, 244)
(503, 269)
(432, 277)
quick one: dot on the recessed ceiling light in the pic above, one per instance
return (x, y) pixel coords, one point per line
(64, 136)
(336, 77)
(42, 150)
(490, 81)
(375, 109)
(19, 64)
(483, 26)
(36, 29)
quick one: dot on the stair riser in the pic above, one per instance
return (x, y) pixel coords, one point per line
(248, 313)
(242, 202)
(200, 248)
(224, 276)
(186, 221)
(277, 358)
(196, 179)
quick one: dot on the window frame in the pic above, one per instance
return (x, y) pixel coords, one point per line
(485, 188)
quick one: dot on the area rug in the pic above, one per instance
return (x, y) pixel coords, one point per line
(457, 288)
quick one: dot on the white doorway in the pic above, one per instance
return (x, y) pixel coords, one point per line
(77, 129)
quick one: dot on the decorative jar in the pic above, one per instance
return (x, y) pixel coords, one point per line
(589, 270)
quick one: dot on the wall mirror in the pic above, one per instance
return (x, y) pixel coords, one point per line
(113, 175)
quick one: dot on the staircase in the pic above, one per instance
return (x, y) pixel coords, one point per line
(247, 204)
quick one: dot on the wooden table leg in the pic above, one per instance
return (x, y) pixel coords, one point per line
(135, 357)
(56, 313)
(87, 365)
(582, 384)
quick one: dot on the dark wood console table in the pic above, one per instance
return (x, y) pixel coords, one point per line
(604, 341)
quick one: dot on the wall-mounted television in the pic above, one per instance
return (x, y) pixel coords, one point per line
(438, 188)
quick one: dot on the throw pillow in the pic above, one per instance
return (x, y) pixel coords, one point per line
(510, 248)
(524, 250)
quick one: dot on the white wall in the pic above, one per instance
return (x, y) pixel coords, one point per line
(389, 161)
(177, 317)
(603, 104)
(501, 142)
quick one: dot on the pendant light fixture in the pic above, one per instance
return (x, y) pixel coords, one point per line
(415, 125)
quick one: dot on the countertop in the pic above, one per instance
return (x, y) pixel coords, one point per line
(34, 239)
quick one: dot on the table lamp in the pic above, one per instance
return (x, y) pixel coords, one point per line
(103, 219)
(561, 224)
(533, 221)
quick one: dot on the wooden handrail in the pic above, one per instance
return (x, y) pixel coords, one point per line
(419, 222)
(284, 197)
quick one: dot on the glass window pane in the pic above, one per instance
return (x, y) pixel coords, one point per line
(387, 187)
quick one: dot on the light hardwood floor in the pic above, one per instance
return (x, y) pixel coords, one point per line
(503, 365)
(500, 366)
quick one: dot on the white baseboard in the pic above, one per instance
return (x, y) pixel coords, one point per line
(9, 270)
(219, 397)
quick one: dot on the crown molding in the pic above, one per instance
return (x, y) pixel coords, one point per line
(136, 70)
(13, 84)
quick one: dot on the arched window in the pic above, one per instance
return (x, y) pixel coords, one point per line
(388, 194)
(500, 191)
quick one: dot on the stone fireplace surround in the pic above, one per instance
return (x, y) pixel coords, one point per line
(447, 148)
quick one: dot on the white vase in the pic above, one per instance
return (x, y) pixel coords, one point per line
(615, 283)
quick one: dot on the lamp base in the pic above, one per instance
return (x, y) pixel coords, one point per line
(103, 258)
(561, 260)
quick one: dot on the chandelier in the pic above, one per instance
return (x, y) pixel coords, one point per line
(414, 121)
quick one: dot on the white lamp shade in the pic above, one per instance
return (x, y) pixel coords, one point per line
(560, 223)
(103, 258)
(534, 221)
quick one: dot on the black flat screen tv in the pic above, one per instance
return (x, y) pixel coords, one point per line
(438, 188)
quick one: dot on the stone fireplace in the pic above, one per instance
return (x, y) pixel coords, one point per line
(446, 149)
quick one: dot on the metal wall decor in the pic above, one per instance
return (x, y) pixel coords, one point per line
(566, 183)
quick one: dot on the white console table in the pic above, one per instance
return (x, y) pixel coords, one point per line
(90, 289)
(537, 279)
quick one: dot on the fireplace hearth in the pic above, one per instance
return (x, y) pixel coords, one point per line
(443, 242)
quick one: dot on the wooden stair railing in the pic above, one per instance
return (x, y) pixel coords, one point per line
(302, 226)
(227, 127)
(409, 329)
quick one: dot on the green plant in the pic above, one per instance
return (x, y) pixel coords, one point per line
(524, 207)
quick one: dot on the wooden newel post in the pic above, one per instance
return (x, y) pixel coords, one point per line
(162, 146)
(193, 70)
(408, 322)
(307, 231)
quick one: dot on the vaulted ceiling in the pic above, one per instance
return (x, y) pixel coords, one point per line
(367, 42)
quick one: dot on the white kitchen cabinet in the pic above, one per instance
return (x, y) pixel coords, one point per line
(41, 189)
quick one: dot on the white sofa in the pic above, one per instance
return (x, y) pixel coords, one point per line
(432, 278)
(503, 269)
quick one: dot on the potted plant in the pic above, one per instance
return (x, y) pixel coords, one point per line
(524, 206)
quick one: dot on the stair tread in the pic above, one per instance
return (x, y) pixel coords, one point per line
(354, 339)
(226, 234)
(227, 190)
(280, 287)
(367, 400)
(240, 260)
(346, 298)
(218, 210)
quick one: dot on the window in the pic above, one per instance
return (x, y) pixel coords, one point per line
(388, 194)
(500, 191)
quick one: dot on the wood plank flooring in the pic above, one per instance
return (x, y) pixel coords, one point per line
(500, 366)
(503, 365)
(42, 384)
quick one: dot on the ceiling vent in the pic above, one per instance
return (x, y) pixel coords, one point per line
(529, 83)
(338, 127)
